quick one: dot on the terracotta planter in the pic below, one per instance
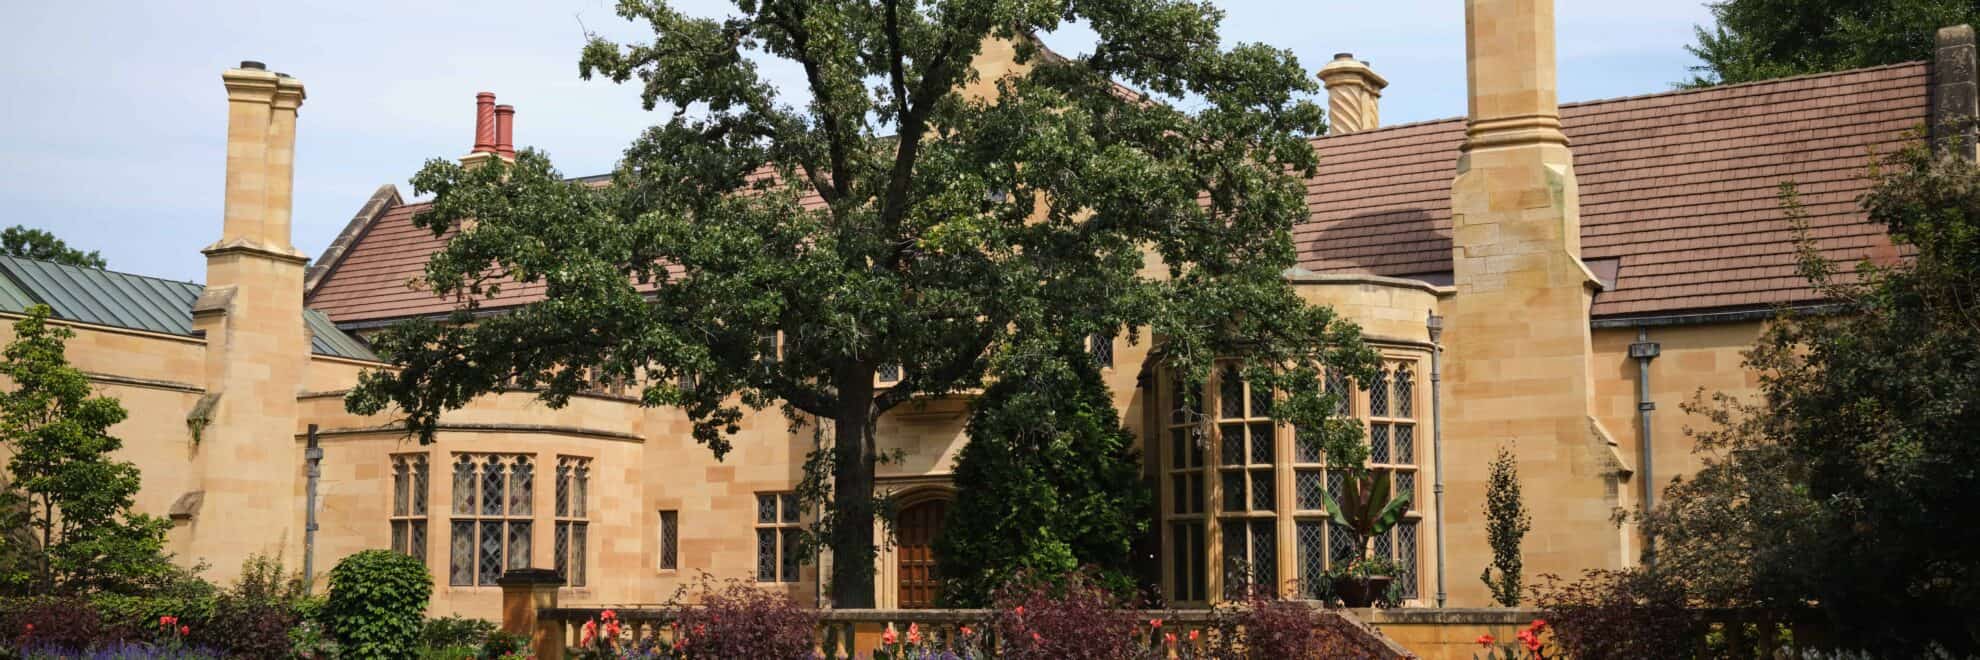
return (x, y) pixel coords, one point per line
(1361, 592)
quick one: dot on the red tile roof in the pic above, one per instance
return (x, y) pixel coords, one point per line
(1681, 188)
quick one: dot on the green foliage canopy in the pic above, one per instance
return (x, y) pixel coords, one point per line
(1050, 482)
(22, 241)
(776, 252)
(1850, 482)
(1765, 39)
(63, 488)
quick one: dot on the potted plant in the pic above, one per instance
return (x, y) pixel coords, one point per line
(1364, 582)
(1364, 506)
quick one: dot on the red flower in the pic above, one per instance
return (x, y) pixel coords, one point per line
(1537, 625)
(1192, 635)
(185, 630)
(1037, 638)
(590, 631)
(965, 631)
(608, 615)
(167, 621)
(30, 628)
(1019, 611)
(1485, 640)
(1532, 641)
(889, 637)
(914, 633)
(1169, 638)
(1154, 623)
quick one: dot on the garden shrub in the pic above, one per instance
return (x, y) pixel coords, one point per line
(1071, 617)
(740, 620)
(452, 631)
(310, 641)
(44, 621)
(252, 618)
(1616, 614)
(502, 645)
(377, 604)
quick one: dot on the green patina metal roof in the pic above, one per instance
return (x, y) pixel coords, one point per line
(123, 300)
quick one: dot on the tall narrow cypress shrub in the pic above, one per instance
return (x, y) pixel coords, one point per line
(1506, 524)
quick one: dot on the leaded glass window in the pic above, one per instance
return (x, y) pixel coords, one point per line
(409, 481)
(1101, 347)
(1248, 470)
(573, 525)
(670, 541)
(1186, 466)
(491, 527)
(777, 537)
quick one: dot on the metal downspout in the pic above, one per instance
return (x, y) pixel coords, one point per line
(1644, 351)
(313, 455)
(1435, 324)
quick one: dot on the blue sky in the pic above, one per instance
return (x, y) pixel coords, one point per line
(112, 126)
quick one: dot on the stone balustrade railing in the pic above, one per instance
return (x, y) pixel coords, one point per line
(529, 606)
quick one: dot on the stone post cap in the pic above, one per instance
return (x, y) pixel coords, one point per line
(1345, 69)
(530, 577)
(1955, 35)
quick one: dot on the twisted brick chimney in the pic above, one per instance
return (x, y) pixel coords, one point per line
(1354, 94)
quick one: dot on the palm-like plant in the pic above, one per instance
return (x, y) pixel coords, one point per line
(1365, 505)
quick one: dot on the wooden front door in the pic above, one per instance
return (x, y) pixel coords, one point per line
(915, 529)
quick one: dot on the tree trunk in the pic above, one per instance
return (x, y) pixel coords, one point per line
(854, 458)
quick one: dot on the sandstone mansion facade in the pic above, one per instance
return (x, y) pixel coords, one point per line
(1551, 278)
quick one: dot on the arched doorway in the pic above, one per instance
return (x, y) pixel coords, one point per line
(916, 527)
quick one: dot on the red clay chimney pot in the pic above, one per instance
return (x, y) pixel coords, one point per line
(484, 122)
(505, 131)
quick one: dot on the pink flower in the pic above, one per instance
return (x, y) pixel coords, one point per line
(1485, 640)
(1037, 638)
(914, 633)
(889, 637)
(1019, 611)
(1154, 623)
(1537, 625)
(1169, 638)
(185, 630)
(964, 630)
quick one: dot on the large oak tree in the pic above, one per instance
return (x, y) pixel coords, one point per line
(759, 249)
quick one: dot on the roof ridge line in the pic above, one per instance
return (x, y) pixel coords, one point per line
(1633, 97)
(111, 271)
(1686, 91)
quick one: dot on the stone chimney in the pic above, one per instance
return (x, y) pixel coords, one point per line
(1521, 361)
(1354, 95)
(1955, 95)
(250, 314)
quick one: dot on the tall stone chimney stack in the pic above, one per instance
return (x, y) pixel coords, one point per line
(1518, 326)
(256, 343)
(1354, 95)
